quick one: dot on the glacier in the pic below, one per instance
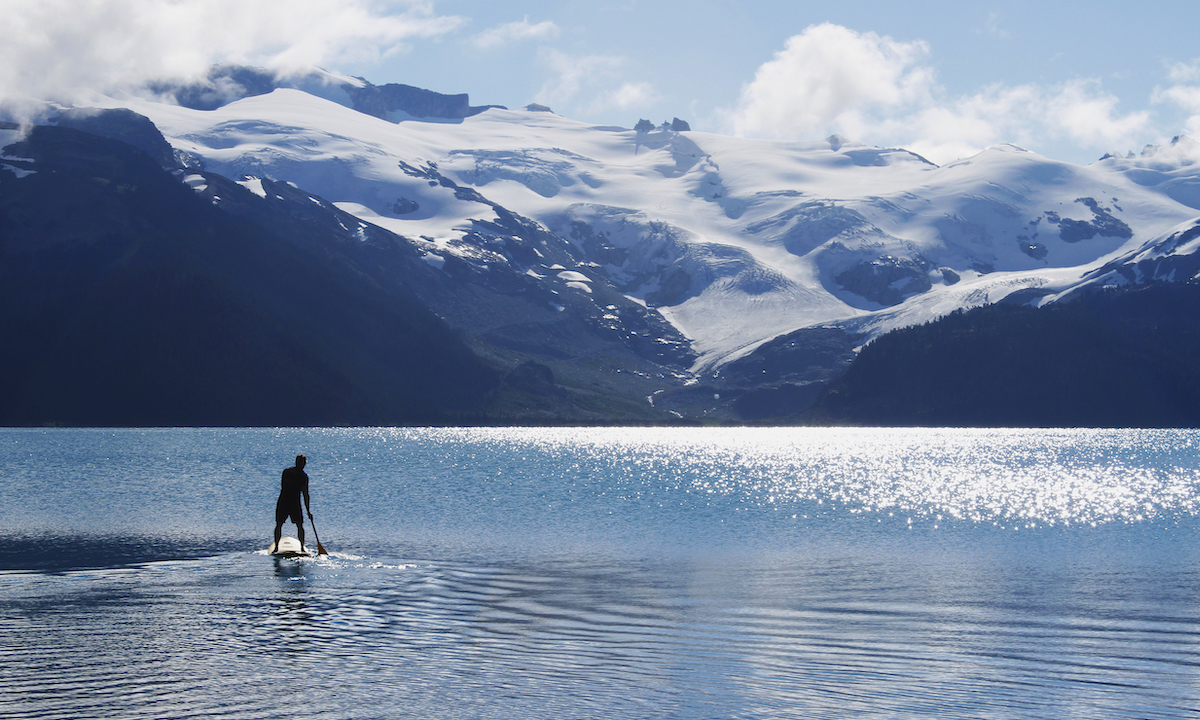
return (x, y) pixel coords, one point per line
(731, 241)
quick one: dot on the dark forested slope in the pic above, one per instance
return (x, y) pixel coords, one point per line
(1110, 359)
(128, 299)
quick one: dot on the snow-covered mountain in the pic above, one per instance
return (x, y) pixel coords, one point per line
(733, 241)
(693, 248)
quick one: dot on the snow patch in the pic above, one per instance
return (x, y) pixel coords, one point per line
(196, 182)
(18, 171)
(255, 186)
(434, 260)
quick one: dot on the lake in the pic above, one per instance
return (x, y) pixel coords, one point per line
(603, 573)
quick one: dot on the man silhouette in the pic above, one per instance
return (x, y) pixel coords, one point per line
(292, 486)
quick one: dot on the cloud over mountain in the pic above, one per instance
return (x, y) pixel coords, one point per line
(831, 79)
(519, 31)
(827, 75)
(58, 48)
(879, 88)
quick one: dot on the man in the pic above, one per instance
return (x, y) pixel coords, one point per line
(292, 485)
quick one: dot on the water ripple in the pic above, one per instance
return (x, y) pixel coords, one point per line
(353, 639)
(608, 573)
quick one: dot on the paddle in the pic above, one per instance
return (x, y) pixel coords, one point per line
(320, 548)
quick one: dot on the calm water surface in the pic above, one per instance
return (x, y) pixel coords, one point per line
(603, 573)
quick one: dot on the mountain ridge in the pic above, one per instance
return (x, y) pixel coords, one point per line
(700, 266)
(227, 83)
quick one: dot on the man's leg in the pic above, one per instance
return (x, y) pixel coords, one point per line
(281, 516)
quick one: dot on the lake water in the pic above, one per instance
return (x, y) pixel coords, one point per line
(603, 573)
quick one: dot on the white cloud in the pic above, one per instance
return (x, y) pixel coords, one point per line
(629, 96)
(830, 79)
(1026, 115)
(1179, 72)
(591, 84)
(1186, 97)
(53, 48)
(826, 73)
(516, 32)
(570, 74)
(993, 28)
(1183, 94)
(1090, 117)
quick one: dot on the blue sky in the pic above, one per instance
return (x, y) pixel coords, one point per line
(1071, 80)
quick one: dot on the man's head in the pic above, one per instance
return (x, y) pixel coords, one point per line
(301, 461)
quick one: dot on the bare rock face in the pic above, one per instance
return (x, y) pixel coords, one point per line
(887, 280)
(227, 83)
(123, 125)
(1103, 224)
(382, 101)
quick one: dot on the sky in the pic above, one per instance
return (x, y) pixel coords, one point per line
(1070, 80)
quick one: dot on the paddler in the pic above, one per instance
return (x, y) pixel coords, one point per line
(292, 486)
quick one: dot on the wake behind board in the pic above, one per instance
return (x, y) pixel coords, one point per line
(288, 547)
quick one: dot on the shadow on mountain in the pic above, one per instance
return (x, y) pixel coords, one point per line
(129, 299)
(1107, 359)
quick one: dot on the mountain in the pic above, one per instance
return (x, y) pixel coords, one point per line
(611, 274)
(1105, 359)
(130, 300)
(228, 83)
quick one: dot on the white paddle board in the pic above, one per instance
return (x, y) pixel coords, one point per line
(288, 547)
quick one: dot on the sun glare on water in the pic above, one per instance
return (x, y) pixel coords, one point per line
(1009, 478)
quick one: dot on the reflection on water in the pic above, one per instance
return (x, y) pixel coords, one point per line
(604, 574)
(236, 635)
(287, 626)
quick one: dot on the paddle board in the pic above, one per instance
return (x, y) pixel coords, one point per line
(288, 547)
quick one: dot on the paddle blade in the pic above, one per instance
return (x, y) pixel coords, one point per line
(321, 549)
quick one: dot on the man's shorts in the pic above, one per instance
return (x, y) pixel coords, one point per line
(283, 512)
